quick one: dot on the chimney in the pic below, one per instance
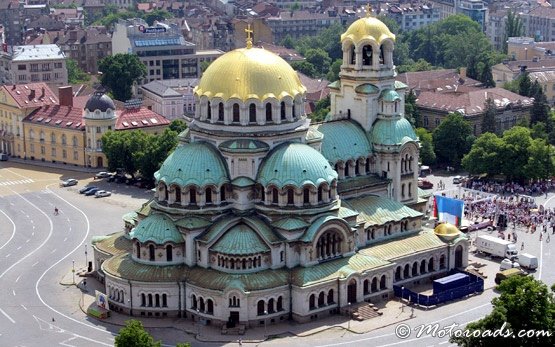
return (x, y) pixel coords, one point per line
(32, 94)
(65, 94)
(42, 93)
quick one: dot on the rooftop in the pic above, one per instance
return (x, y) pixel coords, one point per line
(58, 116)
(31, 95)
(37, 52)
(138, 118)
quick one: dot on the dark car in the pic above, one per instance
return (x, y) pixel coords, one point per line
(92, 191)
(425, 184)
(86, 189)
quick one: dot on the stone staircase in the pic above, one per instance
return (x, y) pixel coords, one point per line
(364, 311)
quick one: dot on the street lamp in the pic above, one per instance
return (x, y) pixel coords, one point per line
(349, 313)
(198, 323)
(73, 271)
(86, 259)
(265, 319)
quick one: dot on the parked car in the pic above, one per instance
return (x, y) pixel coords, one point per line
(457, 179)
(69, 182)
(102, 193)
(102, 174)
(92, 191)
(3, 157)
(508, 264)
(425, 184)
(86, 189)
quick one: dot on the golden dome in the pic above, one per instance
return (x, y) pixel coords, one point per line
(446, 230)
(247, 73)
(367, 28)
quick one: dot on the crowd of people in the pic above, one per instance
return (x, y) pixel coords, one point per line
(510, 188)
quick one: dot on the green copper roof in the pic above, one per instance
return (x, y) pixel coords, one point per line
(144, 210)
(157, 228)
(295, 164)
(290, 224)
(344, 140)
(313, 135)
(400, 85)
(389, 95)
(240, 240)
(377, 210)
(192, 222)
(216, 280)
(340, 268)
(115, 243)
(225, 223)
(396, 248)
(130, 217)
(243, 182)
(388, 132)
(356, 183)
(243, 145)
(335, 85)
(122, 266)
(317, 224)
(197, 163)
(367, 88)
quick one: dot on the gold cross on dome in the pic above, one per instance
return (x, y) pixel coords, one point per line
(249, 31)
(368, 10)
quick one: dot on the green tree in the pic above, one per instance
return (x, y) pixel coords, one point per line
(524, 84)
(74, 74)
(135, 335)
(540, 108)
(119, 72)
(288, 42)
(321, 110)
(484, 156)
(304, 67)
(427, 154)
(488, 121)
(485, 75)
(319, 59)
(539, 131)
(156, 15)
(204, 65)
(150, 157)
(452, 139)
(335, 68)
(121, 147)
(513, 28)
(540, 160)
(411, 109)
(178, 126)
(524, 304)
(515, 152)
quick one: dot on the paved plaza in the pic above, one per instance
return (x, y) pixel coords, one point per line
(43, 302)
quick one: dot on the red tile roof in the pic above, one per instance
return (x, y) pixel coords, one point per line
(431, 80)
(58, 116)
(139, 118)
(31, 95)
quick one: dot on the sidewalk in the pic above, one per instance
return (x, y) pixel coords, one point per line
(54, 165)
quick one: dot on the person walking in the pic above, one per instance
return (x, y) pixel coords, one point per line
(56, 211)
(522, 246)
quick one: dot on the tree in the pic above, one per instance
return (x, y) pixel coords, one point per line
(319, 59)
(156, 15)
(304, 67)
(525, 304)
(74, 73)
(484, 156)
(513, 28)
(156, 148)
(178, 126)
(515, 152)
(524, 84)
(135, 335)
(321, 110)
(335, 68)
(204, 65)
(288, 42)
(119, 72)
(411, 109)
(427, 154)
(540, 160)
(540, 109)
(488, 121)
(485, 75)
(452, 139)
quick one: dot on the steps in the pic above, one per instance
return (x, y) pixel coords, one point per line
(365, 311)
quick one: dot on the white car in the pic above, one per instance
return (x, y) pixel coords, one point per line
(457, 179)
(508, 264)
(102, 174)
(69, 182)
(102, 193)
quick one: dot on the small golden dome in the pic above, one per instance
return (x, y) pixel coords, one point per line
(249, 73)
(446, 229)
(367, 28)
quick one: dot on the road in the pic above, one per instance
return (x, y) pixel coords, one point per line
(38, 249)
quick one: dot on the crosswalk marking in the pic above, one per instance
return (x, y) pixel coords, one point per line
(10, 183)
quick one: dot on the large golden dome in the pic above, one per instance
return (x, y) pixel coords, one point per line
(247, 73)
(367, 28)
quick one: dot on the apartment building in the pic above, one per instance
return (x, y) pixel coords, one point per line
(413, 16)
(539, 23)
(299, 23)
(170, 98)
(39, 63)
(86, 46)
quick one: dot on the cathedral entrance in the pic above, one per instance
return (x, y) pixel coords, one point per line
(352, 291)
(459, 256)
(233, 319)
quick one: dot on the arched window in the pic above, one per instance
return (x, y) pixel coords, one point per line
(74, 141)
(143, 300)
(222, 193)
(209, 111)
(330, 297)
(346, 171)
(271, 308)
(279, 304)
(252, 113)
(275, 196)
(149, 300)
(431, 265)
(406, 271)
(321, 299)
(320, 193)
(53, 138)
(383, 284)
(367, 55)
(194, 301)
(381, 55)
(201, 306)
(282, 110)
(209, 306)
(357, 170)
(221, 112)
(268, 112)
(151, 252)
(157, 300)
(312, 302)
(260, 308)
(352, 55)
(177, 194)
(423, 266)
(294, 110)
(374, 284)
(164, 300)
(329, 245)
(138, 245)
(306, 196)
(208, 195)
(193, 196)
(236, 115)
(290, 196)
(169, 253)
(398, 273)
(366, 287)
(415, 269)
(64, 139)
(442, 261)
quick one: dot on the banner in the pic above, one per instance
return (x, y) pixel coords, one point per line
(101, 299)
(448, 210)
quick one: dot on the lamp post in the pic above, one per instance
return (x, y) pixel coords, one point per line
(73, 270)
(86, 258)
(349, 313)
(198, 323)
(265, 319)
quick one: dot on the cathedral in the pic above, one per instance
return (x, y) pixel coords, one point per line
(260, 215)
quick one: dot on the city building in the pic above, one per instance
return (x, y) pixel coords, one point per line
(39, 63)
(539, 23)
(170, 98)
(297, 24)
(162, 48)
(412, 16)
(259, 216)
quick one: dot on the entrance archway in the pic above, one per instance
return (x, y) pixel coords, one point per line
(99, 162)
(459, 256)
(352, 291)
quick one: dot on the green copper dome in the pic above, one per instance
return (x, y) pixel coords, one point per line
(389, 95)
(295, 164)
(344, 140)
(157, 228)
(197, 163)
(240, 240)
(387, 132)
